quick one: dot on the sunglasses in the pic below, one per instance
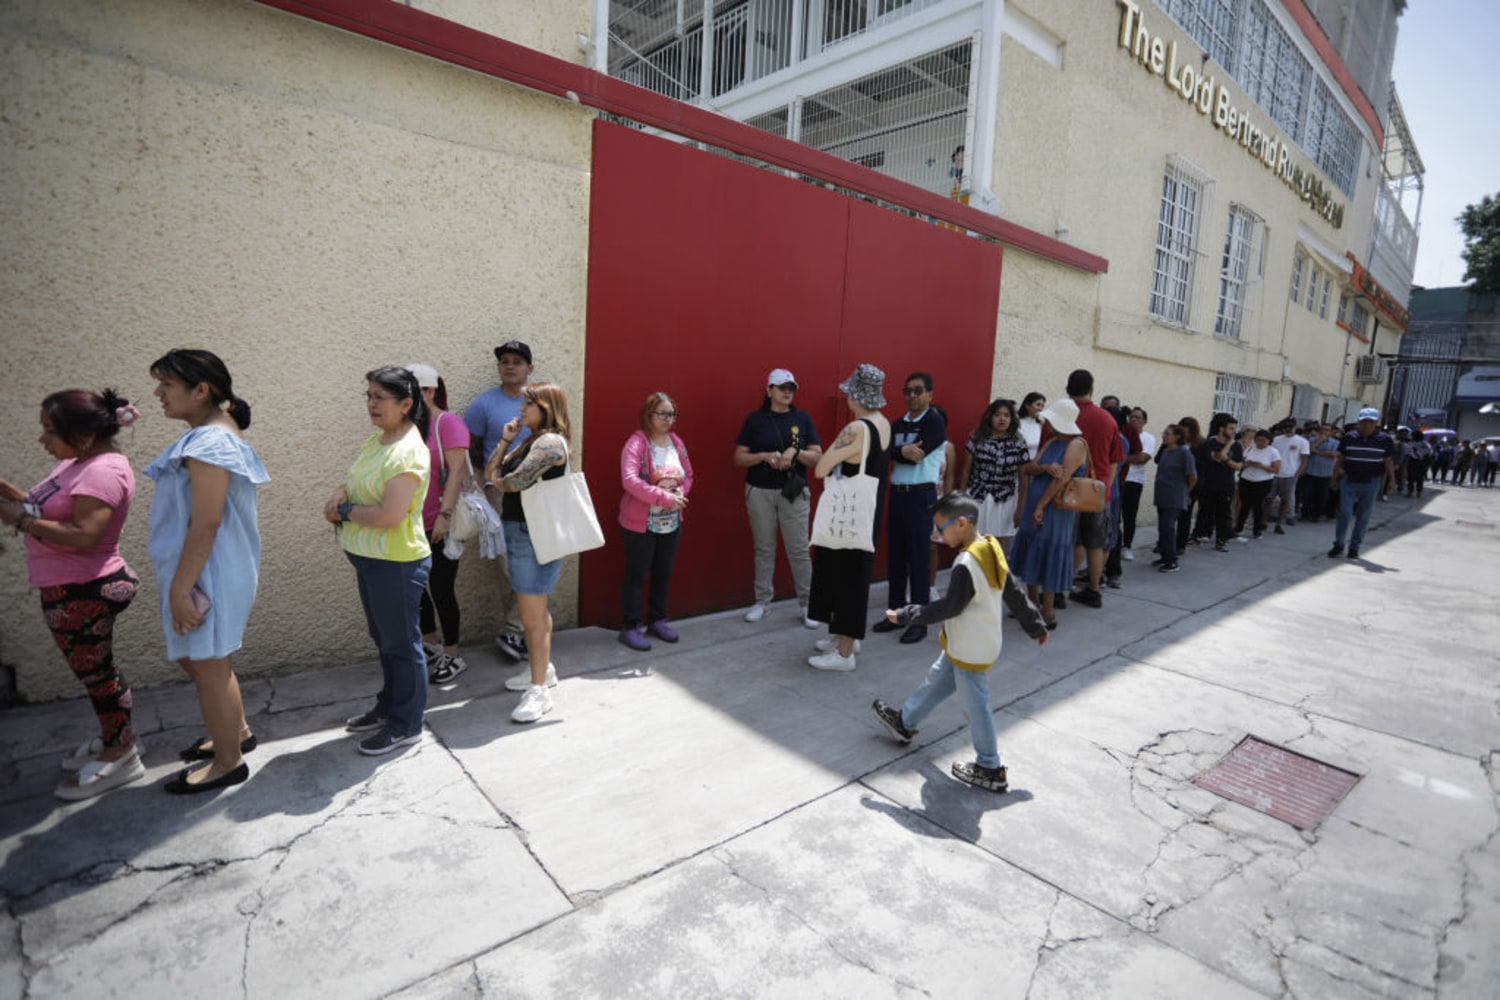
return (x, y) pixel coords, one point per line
(786, 387)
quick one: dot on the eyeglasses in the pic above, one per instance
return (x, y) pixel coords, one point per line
(666, 414)
(913, 390)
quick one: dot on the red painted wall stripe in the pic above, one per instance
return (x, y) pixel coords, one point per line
(430, 35)
(1319, 39)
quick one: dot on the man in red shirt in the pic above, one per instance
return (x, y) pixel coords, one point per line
(1102, 434)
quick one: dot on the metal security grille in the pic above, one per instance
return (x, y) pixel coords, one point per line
(1332, 140)
(1235, 271)
(1237, 395)
(1176, 239)
(1272, 70)
(1210, 22)
(907, 120)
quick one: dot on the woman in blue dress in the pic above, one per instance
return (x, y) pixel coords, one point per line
(1042, 553)
(205, 548)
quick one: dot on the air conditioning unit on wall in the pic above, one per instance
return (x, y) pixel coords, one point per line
(1369, 368)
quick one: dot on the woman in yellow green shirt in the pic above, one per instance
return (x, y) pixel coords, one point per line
(378, 512)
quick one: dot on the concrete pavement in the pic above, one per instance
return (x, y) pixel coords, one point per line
(715, 818)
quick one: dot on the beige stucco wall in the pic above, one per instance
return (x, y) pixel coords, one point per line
(307, 203)
(1085, 146)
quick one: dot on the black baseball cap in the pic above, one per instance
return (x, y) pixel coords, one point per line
(514, 347)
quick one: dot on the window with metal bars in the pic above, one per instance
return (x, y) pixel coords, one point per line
(1238, 395)
(1299, 265)
(1176, 238)
(1332, 139)
(1272, 70)
(1210, 22)
(1234, 273)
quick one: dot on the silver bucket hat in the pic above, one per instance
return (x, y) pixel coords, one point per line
(865, 387)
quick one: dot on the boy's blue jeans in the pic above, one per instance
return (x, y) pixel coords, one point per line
(974, 687)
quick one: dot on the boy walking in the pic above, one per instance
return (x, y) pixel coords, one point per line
(972, 616)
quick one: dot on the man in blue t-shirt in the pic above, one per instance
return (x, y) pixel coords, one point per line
(486, 417)
(916, 456)
(1367, 462)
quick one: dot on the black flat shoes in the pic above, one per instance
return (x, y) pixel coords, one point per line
(197, 752)
(180, 785)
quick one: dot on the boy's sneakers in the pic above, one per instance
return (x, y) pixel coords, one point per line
(445, 668)
(512, 645)
(980, 776)
(891, 719)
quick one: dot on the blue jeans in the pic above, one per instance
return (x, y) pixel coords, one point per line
(1357, 501)
(942, 680)
(391, 593)
(1166, 534)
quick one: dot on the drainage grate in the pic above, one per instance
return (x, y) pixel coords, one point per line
(1278, 782)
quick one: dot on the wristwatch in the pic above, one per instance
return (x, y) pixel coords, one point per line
(344, 509)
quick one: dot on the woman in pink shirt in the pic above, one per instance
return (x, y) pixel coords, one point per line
(72, 522)
(657, 477)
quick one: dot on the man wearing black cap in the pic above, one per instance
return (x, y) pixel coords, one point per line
(486, 416)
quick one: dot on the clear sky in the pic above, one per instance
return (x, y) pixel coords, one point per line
(1447, 74)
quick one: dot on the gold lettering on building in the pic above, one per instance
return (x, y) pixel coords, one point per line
(1213, 100)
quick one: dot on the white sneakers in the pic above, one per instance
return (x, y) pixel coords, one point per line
(1127, 555)
(831, 643)
(522, 681)
(831, 660)
(535, 703)
(758, 612)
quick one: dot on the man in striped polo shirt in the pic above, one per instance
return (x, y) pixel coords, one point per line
(1366, 461)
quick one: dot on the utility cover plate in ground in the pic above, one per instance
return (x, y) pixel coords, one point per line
(1273, 780)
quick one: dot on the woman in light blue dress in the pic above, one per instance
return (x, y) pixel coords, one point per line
(205, 547)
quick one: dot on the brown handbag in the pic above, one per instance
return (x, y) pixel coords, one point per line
(1081, 495)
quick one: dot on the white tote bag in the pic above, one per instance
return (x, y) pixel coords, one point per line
(560, 517)
(845, 518)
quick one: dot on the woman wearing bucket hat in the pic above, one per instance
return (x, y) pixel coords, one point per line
(1042, 553)
(841, 577)
(448, 444)
(776, 442)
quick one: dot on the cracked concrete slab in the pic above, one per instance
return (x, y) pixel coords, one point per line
(760, 905)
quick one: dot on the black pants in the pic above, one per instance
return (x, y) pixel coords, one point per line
(647, 554)
(1253, 500)
(1314, 496)
(1416, 476)
(1130, 506)
(1213, 511)
(439, 603)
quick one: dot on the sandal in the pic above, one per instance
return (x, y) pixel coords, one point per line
(1051, 623)
(82, 754)
(99, 776)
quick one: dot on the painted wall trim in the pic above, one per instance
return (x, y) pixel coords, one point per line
(427, 34)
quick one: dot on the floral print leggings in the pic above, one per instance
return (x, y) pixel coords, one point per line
(82, 619)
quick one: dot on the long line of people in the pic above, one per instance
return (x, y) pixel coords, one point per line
(394, 517)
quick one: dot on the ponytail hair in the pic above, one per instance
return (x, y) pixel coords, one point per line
(402, 384)
(82, 416)
(193, 366)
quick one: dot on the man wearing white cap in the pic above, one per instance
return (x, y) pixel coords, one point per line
(1366, 461)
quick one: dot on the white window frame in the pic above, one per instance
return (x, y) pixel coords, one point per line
(1238, 395)
(1299, 265)
(1234, 271)
(1323, 302)
(1312, 288)
(1175, 261)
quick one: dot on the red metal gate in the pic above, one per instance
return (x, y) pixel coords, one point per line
(706, 273)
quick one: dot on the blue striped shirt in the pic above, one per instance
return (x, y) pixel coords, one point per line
(1364, 457)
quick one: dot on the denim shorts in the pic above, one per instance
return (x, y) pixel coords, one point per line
(527, 576)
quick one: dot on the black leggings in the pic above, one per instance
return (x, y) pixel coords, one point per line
(439, 602)
(647, 554)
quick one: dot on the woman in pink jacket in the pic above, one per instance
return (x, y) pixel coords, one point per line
(657, 477)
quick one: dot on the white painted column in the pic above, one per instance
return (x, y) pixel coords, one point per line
(981, 155)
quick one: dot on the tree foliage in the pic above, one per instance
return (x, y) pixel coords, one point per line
(1481, 228)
